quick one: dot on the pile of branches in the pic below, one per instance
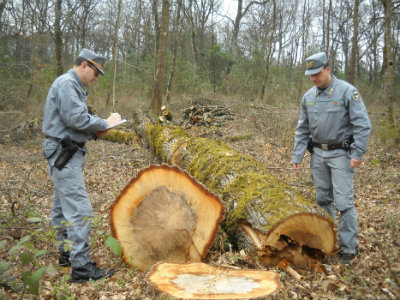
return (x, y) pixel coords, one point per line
(205, 115)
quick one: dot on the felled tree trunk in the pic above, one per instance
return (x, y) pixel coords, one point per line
(267, 217)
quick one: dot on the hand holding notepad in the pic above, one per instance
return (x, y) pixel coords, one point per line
(114, 120)
(116, 124)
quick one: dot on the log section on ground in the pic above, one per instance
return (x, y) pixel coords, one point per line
(201, 281)
(165, 215)
(264, 214)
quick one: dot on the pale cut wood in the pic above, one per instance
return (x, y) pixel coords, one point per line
(165, 215)
(202, 281)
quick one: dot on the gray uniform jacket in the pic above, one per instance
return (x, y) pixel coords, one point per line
(66, 112)
(330, 116)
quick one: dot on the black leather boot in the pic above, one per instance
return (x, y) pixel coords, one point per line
(90, 271)
(64, 261)
(346, 258)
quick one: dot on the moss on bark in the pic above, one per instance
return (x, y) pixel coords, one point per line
(243, 183)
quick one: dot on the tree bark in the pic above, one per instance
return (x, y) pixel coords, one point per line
(2, 6)
(269, 51)
(328, 25)
(388, 83)
(305, 24)
(266, 216)
(354, 46)
(58, 38)
(111, 86)
(176, 36)
(156, 99)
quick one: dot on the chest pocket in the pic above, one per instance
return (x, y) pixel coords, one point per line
(313, 113)
(336, 106)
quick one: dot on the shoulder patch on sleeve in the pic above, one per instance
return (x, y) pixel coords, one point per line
(356, 96)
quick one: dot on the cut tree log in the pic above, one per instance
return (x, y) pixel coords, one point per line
(201, 281)
(264, 215)
(165, 215)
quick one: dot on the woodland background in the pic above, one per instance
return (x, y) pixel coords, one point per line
(181, 53)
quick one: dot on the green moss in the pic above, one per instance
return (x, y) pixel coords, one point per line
(159, 136)
(214, 162)
(242, 182)
(271, 196)
(120, 136)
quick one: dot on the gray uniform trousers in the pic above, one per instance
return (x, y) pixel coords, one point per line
(333, 180)
(71, 211)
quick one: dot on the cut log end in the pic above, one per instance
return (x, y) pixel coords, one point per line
(303, 239)
(306, 229)
(165, 215)
(202, 281)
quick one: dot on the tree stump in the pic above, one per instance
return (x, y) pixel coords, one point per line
(264, 215)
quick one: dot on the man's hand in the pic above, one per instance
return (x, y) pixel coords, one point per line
(354, 163)
(113, 119)
(297, 166)
(101, 133)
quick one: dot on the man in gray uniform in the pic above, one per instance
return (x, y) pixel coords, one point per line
(334, 115)
(67, 125)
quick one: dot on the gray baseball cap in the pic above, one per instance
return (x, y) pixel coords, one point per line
(315, 63)
(95, 59)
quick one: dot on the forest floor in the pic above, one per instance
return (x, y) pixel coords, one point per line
(258, 130)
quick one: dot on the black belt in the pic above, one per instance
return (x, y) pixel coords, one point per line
(342, 145)
(80, 145)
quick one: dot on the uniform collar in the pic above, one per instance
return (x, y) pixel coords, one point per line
(76, 77)
(329, 90)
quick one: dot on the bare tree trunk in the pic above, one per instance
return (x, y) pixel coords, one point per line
(111, 85)
(33, 45)
(154, 8)
(304, 40)
(269, 51)
(176, 36)
(388, 82)
(156, 99)
(190, 16)
(58, 38)
(354, 46)
(375, 51)
(2, 6)
(328, 24)
(236, 26)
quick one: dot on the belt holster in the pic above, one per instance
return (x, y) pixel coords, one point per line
(310, 145)
(68, 150)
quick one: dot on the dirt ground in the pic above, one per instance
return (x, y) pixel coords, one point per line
(263, 132)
